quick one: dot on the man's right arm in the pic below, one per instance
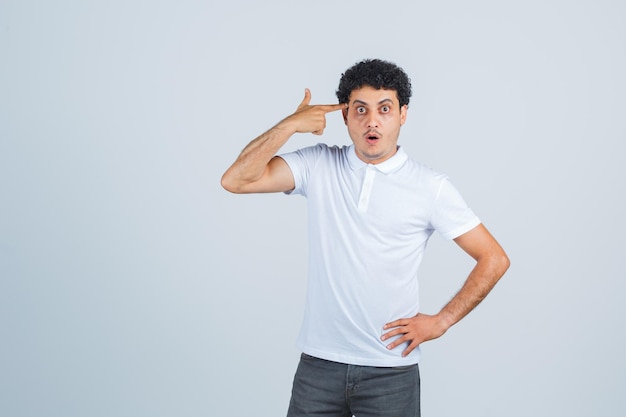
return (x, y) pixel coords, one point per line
(257, 169)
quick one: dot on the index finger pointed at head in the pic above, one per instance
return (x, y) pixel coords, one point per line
(333, 107)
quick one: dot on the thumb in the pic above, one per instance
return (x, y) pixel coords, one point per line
(306, 100)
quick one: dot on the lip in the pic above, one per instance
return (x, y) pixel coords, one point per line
(372, 137)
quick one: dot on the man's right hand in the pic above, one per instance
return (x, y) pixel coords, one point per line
(311, 118)
(257, 169)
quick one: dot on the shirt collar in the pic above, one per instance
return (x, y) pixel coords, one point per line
(387, 166)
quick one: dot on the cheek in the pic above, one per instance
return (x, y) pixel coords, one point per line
(354, 120)
(394, 118)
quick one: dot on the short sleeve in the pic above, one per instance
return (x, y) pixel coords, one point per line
(451, 216)
(301, 163)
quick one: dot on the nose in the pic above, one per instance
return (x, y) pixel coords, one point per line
(372, 122)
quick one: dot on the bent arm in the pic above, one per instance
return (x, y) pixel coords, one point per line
(491, 263)
(257, 169)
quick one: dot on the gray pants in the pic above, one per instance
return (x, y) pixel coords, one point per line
(332, 389)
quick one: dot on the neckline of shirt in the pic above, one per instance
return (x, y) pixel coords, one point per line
(387, 166)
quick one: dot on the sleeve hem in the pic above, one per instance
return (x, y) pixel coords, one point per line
(453, 234)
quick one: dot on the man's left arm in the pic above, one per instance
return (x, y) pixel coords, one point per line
(491, 263)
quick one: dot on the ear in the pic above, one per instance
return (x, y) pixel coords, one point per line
(403, 111)
(344, 113)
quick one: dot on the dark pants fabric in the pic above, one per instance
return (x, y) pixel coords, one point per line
(332, 389)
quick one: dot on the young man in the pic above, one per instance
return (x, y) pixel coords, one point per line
(371, 211)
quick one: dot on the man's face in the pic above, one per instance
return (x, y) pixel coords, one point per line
(373, 118)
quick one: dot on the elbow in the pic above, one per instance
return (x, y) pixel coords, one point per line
(503, 263)
(229, 185)
(496, 263)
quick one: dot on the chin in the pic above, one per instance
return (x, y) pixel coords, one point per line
(373, 157)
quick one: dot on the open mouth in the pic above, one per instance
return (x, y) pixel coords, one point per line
(372, 137)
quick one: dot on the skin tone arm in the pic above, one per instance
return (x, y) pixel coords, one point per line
(491, 263)
(257, 169)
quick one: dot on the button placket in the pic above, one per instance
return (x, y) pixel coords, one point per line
(366, 188)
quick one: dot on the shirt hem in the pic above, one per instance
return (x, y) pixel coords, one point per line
(413, 358)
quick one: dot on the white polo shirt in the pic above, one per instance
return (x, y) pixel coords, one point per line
(368, 228)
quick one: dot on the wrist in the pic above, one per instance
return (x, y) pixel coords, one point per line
(287, 126)
(444, 321)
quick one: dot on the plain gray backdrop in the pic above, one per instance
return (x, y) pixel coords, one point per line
(131, 284)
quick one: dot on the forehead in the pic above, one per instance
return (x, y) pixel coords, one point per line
(372, 96)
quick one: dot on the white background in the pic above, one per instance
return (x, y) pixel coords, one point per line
(131, 284)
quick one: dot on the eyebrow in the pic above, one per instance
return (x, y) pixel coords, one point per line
(380, 102)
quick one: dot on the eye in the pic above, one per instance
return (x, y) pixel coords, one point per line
(385, 109)
(360, 110)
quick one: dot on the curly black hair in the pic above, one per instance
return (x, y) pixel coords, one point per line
(375, 73)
